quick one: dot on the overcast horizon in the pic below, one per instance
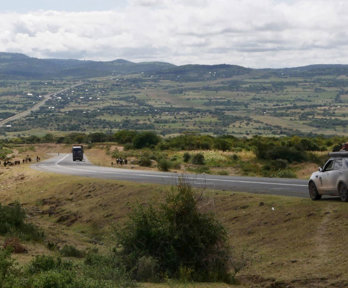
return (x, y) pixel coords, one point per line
(256, 34)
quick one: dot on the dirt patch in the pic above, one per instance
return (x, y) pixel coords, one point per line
(15, 245)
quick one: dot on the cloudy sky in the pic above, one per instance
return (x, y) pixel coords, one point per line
(251, 33)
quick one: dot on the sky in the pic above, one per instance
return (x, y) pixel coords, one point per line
(250, 33)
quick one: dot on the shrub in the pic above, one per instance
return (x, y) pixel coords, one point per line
(221, 144)
(279, 164)
(199, 169)
(287, 173)
(71, 251)
(46, 271)
(272, 152)
(234, 157)
(12, 223)
(45, 263)
(51, 279)
(147, 269)
(6, 266)
(175, 235)
(186, 157)
(106, 267)
(4, 152)
(164, 165)
(146, 139)
(145, 161)
(125, 136)
(198, 159)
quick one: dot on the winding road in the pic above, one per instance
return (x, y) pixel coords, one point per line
(63, 164)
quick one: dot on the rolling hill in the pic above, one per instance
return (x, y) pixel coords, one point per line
(20, 66)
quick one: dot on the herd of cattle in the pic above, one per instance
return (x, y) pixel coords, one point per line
(18, 162)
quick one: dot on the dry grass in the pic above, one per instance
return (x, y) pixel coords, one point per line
(293, 241)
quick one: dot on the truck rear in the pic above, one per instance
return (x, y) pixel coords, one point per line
(77, 152)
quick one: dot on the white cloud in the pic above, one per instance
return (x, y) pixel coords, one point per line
(263, 33)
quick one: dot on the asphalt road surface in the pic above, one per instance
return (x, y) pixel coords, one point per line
(63, 164)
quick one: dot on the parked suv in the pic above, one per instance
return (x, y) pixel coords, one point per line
(332, 179)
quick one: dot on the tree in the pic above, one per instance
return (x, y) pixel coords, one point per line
(198, 159)
(178, 237)
(146, 139)
(125, 136)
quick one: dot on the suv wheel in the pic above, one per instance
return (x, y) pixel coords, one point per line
(343, 192)
(313, 191)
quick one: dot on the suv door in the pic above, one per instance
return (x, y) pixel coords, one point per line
(334, 174)
(332, 171)
(324, 176)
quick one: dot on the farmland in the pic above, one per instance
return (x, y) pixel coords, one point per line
(204, 99)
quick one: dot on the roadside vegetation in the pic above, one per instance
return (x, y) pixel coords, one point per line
(289, 157)
(175, 240)
(172, 240)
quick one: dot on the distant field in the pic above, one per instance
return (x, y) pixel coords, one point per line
(241, 105)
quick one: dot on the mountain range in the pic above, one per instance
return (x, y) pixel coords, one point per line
(20, 66)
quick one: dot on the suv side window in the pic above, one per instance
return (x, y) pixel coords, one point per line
(328, 166)
(338, 165)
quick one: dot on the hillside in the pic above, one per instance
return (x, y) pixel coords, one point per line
(19, 66)
(277, 241)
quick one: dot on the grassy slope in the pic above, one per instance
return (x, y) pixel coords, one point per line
(298, 242)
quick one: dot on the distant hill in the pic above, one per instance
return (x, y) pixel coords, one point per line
(20, 66)
(201, 72)
(15, 66)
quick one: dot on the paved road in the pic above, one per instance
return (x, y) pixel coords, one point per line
(36, 106)
(63, 164)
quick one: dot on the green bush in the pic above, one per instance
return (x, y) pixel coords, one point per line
(46, 263)
(164, 165)
(234, 157)
(223, 173)
(124, 136)
(175, 235)
(106, 267)
(6, 267)
(145, 161)
(269, 151)
(200, 170)
(222, 144)
(52, 279)
(97, 271)
(186, 157)
(71, 251)
(4, 152)
(146, 140)
(286, 173)
(249, 168)
(147, 269)
(198, 159)
(12, 223)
